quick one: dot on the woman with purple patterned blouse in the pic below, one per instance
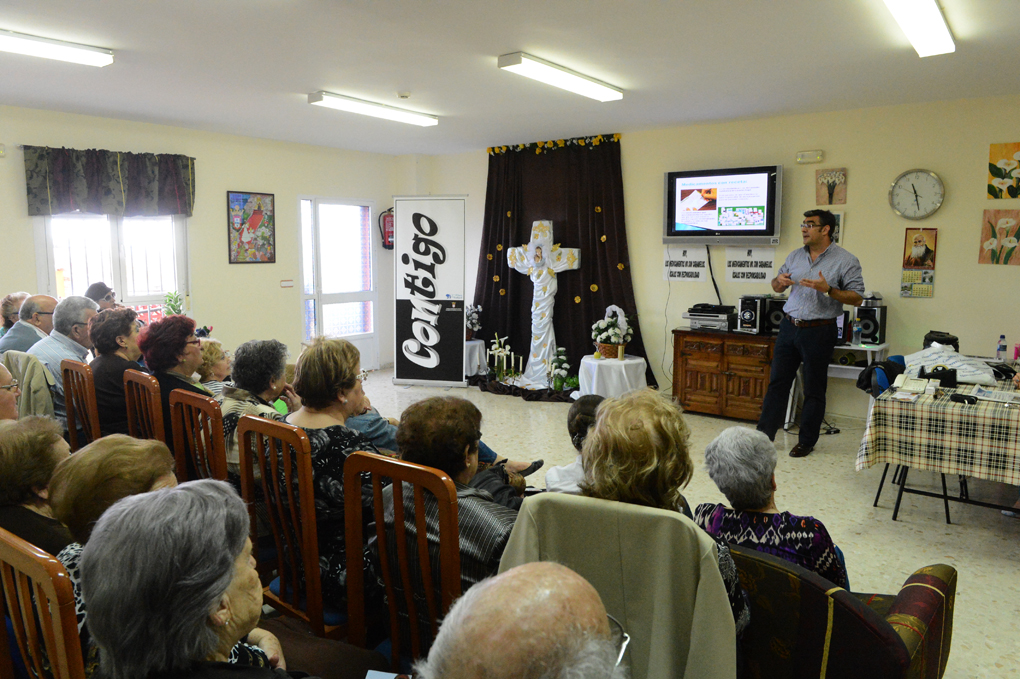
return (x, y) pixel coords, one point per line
(742, 463)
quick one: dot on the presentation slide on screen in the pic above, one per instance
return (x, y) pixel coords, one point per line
(721, 202)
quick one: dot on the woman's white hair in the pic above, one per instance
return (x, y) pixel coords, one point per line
(741, 461)
(154, 568)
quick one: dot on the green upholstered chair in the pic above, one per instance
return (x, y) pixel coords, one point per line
(803, 626)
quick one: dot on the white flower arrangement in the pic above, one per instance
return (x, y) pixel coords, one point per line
(832, 177)
(558, 366)
(613, 329)
(471, 315)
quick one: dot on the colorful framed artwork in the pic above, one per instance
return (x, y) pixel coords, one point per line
(251, 227)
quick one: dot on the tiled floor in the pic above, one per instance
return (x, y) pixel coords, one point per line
(982, 544)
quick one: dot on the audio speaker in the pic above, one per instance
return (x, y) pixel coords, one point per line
(774, 314)
(751, 318)
(873, 320)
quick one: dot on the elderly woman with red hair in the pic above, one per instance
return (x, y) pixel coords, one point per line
(173, 353)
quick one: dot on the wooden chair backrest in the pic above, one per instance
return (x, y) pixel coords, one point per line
(40, 603)
(80, 402)
(443, 490)
(144, 407)
(281, 455)
(199, 447)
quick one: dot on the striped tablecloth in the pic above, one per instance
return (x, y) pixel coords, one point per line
(980, 441)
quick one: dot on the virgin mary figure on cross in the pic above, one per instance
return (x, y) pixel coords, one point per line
(541, 260)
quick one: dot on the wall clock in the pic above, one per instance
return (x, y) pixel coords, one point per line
(916, 194)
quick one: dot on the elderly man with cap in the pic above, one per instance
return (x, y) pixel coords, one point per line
(35, 322)
(103, 295)
(537, 620)
(69, 339)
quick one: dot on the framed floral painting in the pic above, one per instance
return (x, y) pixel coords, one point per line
(999, 232)
(1004, 171)
(251, 228)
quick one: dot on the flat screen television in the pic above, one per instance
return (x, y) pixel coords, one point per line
(728, 206)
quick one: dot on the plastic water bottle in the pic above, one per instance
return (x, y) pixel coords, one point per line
(857, 331)
(1000, 350)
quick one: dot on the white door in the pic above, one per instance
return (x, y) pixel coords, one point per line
(338, 274)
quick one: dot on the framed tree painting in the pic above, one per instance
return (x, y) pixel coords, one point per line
(251, 227)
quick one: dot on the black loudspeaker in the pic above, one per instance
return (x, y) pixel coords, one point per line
(751, 318)
(774, 315)
(873, 320)
(844, 328)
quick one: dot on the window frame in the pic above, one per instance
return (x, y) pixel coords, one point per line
(46, 265)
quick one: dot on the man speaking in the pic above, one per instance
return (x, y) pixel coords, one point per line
(823, 277)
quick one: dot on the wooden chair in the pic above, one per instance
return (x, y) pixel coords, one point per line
(280, 454)
(144, 407)
(199, 448)
(443, 495)
(40, 603)
(80, 402)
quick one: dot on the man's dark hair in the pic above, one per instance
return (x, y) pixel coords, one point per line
(435, 432)
(825, 218)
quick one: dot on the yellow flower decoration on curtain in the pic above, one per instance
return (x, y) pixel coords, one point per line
(538, 150)
(508, 213)
(540, 144)
(495, 279)
(594, 288)
(489, 150)
(603, 239)
(560, 143)
(620, 266)
(598, 209)
(502, 291)
(499, 246)
(597, 140)
(577, 300)
(502, 149)
(489, 257)
(580, 142)
(616, 137)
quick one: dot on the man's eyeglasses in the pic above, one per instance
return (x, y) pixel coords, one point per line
(805, 225)
(362, 376)
(10, 387)
(620, 637)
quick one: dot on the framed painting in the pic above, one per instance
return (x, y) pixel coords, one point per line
(251, 227)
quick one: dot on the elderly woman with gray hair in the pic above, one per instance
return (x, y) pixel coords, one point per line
(742, 463)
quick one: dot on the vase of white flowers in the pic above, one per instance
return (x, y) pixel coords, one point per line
(472, 320)
(612, 333)
(558, 369)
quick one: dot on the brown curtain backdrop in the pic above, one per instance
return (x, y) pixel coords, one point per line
(108, 182)
(576, 183)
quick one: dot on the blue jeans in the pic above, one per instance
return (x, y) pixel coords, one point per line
(485, 453)
(794, 346)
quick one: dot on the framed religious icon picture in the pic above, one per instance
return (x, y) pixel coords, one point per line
(251, 227)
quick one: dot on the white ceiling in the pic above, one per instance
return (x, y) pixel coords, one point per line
(246, 66)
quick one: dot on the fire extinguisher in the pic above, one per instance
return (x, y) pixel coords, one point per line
(386, 228)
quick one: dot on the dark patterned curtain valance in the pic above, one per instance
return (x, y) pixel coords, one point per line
(578, 184)
(108, 182)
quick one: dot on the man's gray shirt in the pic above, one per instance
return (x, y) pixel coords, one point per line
(841, 270)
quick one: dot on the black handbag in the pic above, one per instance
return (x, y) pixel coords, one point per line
(945, 376)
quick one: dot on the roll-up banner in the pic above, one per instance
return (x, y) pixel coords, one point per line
(429, 286)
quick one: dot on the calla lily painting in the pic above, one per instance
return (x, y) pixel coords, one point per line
(1000, 230)
(1004, 171)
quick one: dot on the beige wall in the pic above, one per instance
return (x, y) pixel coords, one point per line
(950, 138)
(875, 145)
(241, 302)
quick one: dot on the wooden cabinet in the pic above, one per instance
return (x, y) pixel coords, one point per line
(721, 373)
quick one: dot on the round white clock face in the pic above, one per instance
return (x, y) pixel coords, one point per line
(916, 194)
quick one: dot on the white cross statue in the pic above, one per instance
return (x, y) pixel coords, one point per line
(541, 260)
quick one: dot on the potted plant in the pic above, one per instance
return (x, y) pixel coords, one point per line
(612, 333)
(558, 369)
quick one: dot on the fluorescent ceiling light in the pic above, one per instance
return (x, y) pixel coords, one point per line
(924, 25)
(20, 43)
(557, 76)
(367, 108)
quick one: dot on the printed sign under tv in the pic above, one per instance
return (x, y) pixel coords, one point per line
(728, 206)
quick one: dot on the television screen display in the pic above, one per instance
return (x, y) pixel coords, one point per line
(732, 205)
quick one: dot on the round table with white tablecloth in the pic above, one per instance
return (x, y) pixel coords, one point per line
(610, 376)
(474, 358)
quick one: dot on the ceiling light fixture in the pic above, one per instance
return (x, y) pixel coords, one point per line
(33, 46)
(549, 73)
(367, 108)
(924, 25)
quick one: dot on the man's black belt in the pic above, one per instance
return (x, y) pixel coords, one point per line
(810, 324)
